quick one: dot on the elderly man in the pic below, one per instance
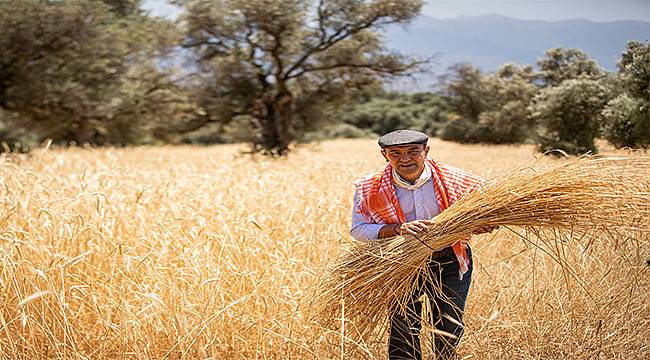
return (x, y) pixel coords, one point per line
(403, 199)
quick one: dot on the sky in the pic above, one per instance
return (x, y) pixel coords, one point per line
(595, 10)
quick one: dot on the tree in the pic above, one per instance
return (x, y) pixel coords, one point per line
(465, 90)
(82, 71)
(489, 108)
(627, 122)
(509, 92)
(559, 64)
(123, 7)
(634, 69)
(279, 63)
(628, 115)
(570, 114)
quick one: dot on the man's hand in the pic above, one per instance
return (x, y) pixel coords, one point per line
(485, 229)
(415, 228)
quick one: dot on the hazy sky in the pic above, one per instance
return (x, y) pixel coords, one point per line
(597, 10)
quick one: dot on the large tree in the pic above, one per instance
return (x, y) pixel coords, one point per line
(278, 63)
(83, 70)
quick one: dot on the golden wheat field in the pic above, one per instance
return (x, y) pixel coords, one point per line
(204, 253)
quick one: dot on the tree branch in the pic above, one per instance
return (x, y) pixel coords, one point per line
(377, 68)
(253, 46)
(339, 35)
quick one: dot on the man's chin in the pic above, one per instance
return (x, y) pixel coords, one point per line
(408, 170)
(407, 174)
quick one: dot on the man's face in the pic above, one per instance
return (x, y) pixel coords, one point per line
(408, 160)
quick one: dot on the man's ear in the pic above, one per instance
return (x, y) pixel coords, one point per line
(383, 153)
(426, 150)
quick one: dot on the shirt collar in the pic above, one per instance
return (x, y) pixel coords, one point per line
(405, 184)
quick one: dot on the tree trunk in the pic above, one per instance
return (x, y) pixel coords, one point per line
(4, 100)
(277, 125)
(83, 133)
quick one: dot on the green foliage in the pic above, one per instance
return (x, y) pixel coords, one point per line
(465, 131)
(85, 70)
(568, 110)
(236, 130)
(465, 91)
(508, 91)
(628, 115)
(634, 69)
(570, 114)
(424, 112)
(627, 122)
(123, 7)
(489, 108)
(337, 131)
(495, 108)
(559, 64)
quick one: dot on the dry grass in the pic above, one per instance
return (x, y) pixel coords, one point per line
(183, 252)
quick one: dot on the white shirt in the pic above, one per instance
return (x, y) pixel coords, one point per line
(418, 204)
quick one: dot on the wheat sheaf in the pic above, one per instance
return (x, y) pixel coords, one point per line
(591, 198)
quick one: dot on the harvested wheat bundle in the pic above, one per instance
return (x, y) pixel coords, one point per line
(607, 196)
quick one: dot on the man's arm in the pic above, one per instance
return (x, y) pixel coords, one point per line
(360, 229)
(389, 230)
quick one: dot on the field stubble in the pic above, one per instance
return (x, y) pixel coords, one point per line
(188, 252)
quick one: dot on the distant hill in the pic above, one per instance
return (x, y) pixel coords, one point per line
(490, 40)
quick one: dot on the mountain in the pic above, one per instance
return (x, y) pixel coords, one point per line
(489, 41)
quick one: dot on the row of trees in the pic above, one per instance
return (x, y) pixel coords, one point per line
(564, 104)
(272, 72)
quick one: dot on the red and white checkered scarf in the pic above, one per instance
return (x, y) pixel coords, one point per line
(379, 203)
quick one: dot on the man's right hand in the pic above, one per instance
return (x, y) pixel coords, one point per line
(415, 228)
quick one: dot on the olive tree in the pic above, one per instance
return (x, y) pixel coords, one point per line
(279, 63)
(560, 64)
(570, 114)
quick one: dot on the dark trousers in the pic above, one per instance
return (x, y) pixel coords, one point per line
(447, 294)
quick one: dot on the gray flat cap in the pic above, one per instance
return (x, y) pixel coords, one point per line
(402, 137)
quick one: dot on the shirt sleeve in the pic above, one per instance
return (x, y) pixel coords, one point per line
(360, 229)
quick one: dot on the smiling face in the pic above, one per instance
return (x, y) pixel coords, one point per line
(407, 160)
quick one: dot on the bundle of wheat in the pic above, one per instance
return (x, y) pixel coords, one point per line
(600, 198)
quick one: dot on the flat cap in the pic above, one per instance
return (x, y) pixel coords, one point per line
(402, 137)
